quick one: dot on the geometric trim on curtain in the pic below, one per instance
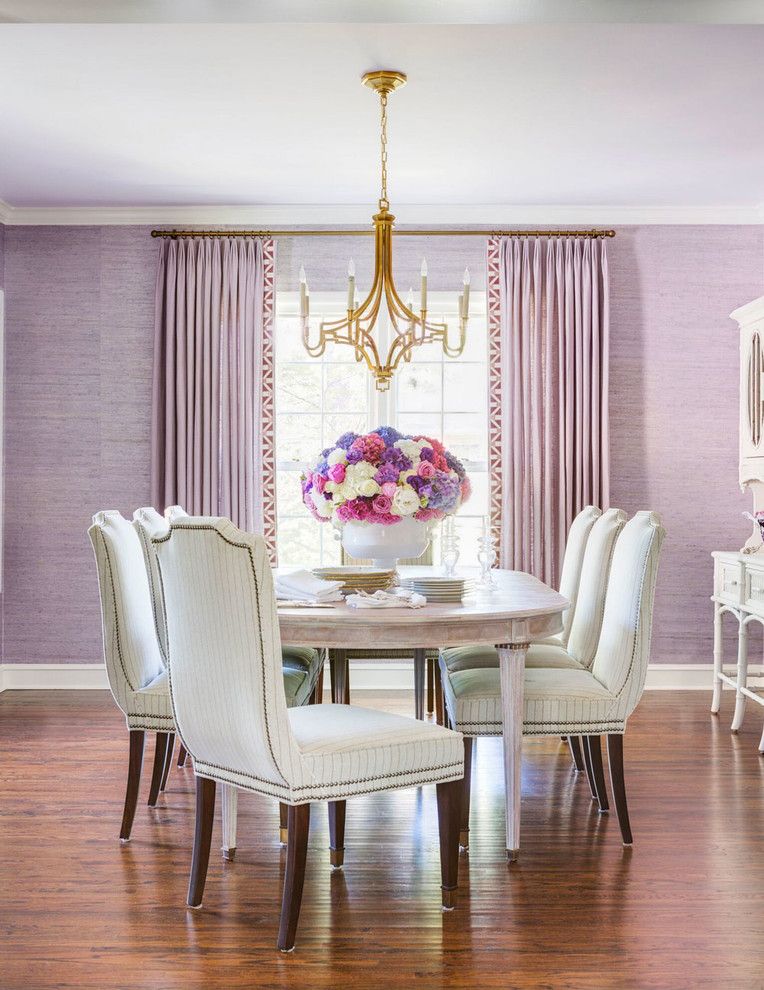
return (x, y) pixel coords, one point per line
(268, 411)
(493, 304)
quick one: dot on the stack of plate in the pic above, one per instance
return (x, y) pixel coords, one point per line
(437, 589)
(357, 578)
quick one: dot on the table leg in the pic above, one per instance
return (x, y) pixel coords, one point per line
(742, 675)
(338, 670)
(419, 675)
(512, 664)
(716, 701)
(230, 814)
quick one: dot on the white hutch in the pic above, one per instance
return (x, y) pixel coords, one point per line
(739, 577)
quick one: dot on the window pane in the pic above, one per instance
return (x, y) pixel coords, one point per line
(465, 435)
(299, 541)
(419, 388)
(338, 423)
(298, 437)
(465, 387)
(299, 387)
(345, 387)
(477, 504)
(427, 424)
(288, 337)
(475, 342)
(289, 493)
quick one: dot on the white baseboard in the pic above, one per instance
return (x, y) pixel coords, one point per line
(367, 676)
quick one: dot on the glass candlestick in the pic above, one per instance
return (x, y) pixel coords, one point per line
(449, 547)
(486, 556)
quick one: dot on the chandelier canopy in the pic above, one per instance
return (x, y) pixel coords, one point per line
(410, 329)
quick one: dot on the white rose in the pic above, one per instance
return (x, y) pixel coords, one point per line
(410, 448)
(368, 487)
(323, 505)
(356, 473)
(405, 501)
(337, 456)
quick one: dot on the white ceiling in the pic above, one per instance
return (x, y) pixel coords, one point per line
(575, 115)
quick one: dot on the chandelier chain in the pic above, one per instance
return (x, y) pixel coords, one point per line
(383, 200)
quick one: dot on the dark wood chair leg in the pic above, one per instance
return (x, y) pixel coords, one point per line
(318, 690)
(440, 705)
(346, 697)
(449, 817)
(134, 766)
(618, 783)
(464, 827)
(297, 849)
(283, 822)
(182, 754)
(205, 814)
(167, 759)
(160, 751)
(419, 676)
(574, 745)
(588, 768)
(337, 833)
(430, 685)
(595, 757)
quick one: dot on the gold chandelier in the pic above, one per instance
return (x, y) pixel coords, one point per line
(410, 329)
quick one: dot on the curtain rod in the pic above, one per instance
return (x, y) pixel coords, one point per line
(369, 233)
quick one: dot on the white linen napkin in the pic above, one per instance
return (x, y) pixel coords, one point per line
(304, 586)
(399, 598)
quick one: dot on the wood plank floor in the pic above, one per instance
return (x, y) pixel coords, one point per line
(684, 908)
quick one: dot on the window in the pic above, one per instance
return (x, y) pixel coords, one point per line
(318, 399)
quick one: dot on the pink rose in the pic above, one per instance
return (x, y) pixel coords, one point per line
(344, 513)
(389, 488)
(425, 514)
(319, 482)
(382, 503)
(426, 470)
(337, 473)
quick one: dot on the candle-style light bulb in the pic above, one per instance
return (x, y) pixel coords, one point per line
(351, 285)
(464, 304)
(423, 273)
(303, 292)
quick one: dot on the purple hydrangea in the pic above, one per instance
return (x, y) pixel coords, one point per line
(389, 434)
(427, 454)
(456, 465)
(354, 456)
(396, 457)
(346, 440)
(387, 472)
(443, 492)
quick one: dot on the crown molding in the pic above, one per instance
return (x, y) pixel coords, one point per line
(264, 217)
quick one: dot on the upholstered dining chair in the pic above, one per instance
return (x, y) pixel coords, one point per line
(229, 705)
(302, 667)
(592, 572)
(134, 665)
(570, 699)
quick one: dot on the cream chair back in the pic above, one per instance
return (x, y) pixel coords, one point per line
(149, 525)
(592, 585)
(224, 651)
(173, 512)
(572, 562)
(131, 651)
(623, 651)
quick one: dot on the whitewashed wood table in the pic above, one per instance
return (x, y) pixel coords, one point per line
(519, 610)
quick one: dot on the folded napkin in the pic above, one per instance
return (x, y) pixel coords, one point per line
(306, 587)
(399, 598)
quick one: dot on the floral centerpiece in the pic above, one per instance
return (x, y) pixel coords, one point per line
(385, 479)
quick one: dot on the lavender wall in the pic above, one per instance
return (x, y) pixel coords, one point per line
(78, 369)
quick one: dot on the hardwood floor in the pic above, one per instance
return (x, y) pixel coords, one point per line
(684, 908)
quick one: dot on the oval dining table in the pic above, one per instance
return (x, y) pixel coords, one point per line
(517, 611)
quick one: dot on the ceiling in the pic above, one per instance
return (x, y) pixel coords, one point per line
(517, 114)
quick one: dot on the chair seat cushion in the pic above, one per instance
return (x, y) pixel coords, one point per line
(557, 701)
(348, 750)
(301, 667)
(298, 657)
(543, 654)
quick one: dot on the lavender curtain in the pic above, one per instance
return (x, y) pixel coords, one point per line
(211, 378)
(553, 384)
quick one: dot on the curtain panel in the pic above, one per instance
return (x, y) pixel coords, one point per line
(548, 313)
(213, 390)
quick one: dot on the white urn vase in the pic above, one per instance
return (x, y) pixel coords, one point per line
(385, 545)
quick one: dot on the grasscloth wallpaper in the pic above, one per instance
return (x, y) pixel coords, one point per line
(79, 326)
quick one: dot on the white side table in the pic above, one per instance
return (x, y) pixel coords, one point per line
(739, 591)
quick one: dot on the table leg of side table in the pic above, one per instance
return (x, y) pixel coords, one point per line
(716, 700)
(512, 664)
